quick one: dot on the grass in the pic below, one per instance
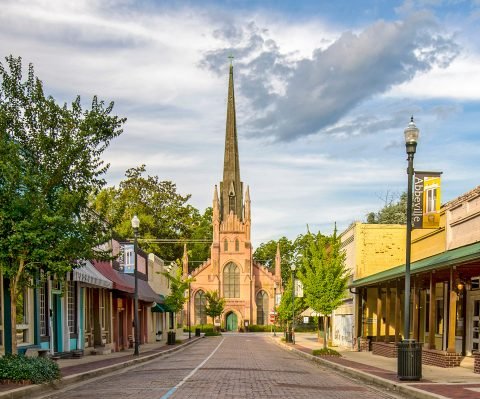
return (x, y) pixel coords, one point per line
(325, 352)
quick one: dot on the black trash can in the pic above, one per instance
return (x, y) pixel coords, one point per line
(171, 338)
(197, 332)
(409, 360)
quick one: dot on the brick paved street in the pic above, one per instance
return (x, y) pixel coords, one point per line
(241, 366)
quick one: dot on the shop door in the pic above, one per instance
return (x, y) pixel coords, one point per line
(475, 325)
(232, 323)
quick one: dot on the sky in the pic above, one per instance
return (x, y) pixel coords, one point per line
(323, 89)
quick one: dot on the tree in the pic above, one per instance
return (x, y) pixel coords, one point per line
(50, 163)
(163, 212)
(201, 230)
(215, 304)
(284, 309)
(178, 286)
(324, 275)
(392, 213)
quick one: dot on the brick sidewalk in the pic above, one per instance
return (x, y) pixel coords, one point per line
(461, 390)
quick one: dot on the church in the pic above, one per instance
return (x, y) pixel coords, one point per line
(249, 289)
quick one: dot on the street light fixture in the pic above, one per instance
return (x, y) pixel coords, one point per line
(409, 359)
(292, 268)
(189, 311)
(411, 138)
(135, 226)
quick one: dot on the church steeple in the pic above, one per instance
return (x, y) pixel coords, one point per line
(231, 188)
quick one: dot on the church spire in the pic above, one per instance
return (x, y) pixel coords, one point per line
(231, 188)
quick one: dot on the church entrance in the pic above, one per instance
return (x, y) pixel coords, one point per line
(232, 323)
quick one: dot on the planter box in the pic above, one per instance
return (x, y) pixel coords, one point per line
(476, 363)
(385, 349)
(443, 359)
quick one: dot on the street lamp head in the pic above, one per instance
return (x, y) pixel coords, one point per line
(411, 137)
(135, 222)
(293, 266)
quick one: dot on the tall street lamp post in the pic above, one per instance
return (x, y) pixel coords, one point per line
(411, 138)
(189, 324)
(135, 226)
(292, 268)
(409, 360)
(274, 308)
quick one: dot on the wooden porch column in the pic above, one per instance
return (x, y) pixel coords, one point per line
(452, 316)
(397, 313)
(415, 309)
(431, 315)
(379, 313)
(387, 313)
(364, 315)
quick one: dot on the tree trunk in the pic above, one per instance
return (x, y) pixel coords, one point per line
(318, 328)
(325, 332)
(13, 305)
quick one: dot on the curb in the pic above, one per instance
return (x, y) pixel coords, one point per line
(409, 391)
(28, 391)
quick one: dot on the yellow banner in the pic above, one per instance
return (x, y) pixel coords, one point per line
(426, 200)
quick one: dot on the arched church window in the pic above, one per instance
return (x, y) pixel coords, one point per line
(237, 245)
(231, 204)
(199, 303)
(225, 245)
(231, 281)
(262, 308)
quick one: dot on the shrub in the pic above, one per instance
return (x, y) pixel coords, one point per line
(203, 328)
(259, 328)
(212, 333)
(325, 352)
(19, 368)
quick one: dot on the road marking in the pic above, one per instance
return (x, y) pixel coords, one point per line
(170, 393)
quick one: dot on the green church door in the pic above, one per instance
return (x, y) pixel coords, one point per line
(232, 323)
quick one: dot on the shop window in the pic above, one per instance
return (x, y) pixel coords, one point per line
(43, 297)
(71, 307)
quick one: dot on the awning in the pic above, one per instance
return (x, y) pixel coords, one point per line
(87, 274)
(457, 256)
(161, 307)
(145, 292)
(118, 279)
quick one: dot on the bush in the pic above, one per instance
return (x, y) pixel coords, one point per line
(212, 333)
(203, 328)
(19, 368)
(325, 352)
(259, 328)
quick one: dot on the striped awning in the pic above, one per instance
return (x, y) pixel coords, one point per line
(87, 274)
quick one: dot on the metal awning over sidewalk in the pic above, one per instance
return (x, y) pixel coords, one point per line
(457, 256)
(87, 274)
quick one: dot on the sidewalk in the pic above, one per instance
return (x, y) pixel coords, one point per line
(90, 366)
(437, 382)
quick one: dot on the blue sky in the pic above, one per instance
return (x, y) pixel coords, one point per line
(324, 91)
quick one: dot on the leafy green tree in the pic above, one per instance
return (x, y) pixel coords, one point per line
(394, 211)
(284, 309)
(265, 254)
(50, 162)
(324, 275)
(178, 286)
(163, 213)
(215, 304)
(201, 230)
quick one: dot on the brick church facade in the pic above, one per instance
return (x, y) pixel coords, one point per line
(248, 287)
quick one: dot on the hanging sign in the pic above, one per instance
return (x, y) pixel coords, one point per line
(426, 200)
